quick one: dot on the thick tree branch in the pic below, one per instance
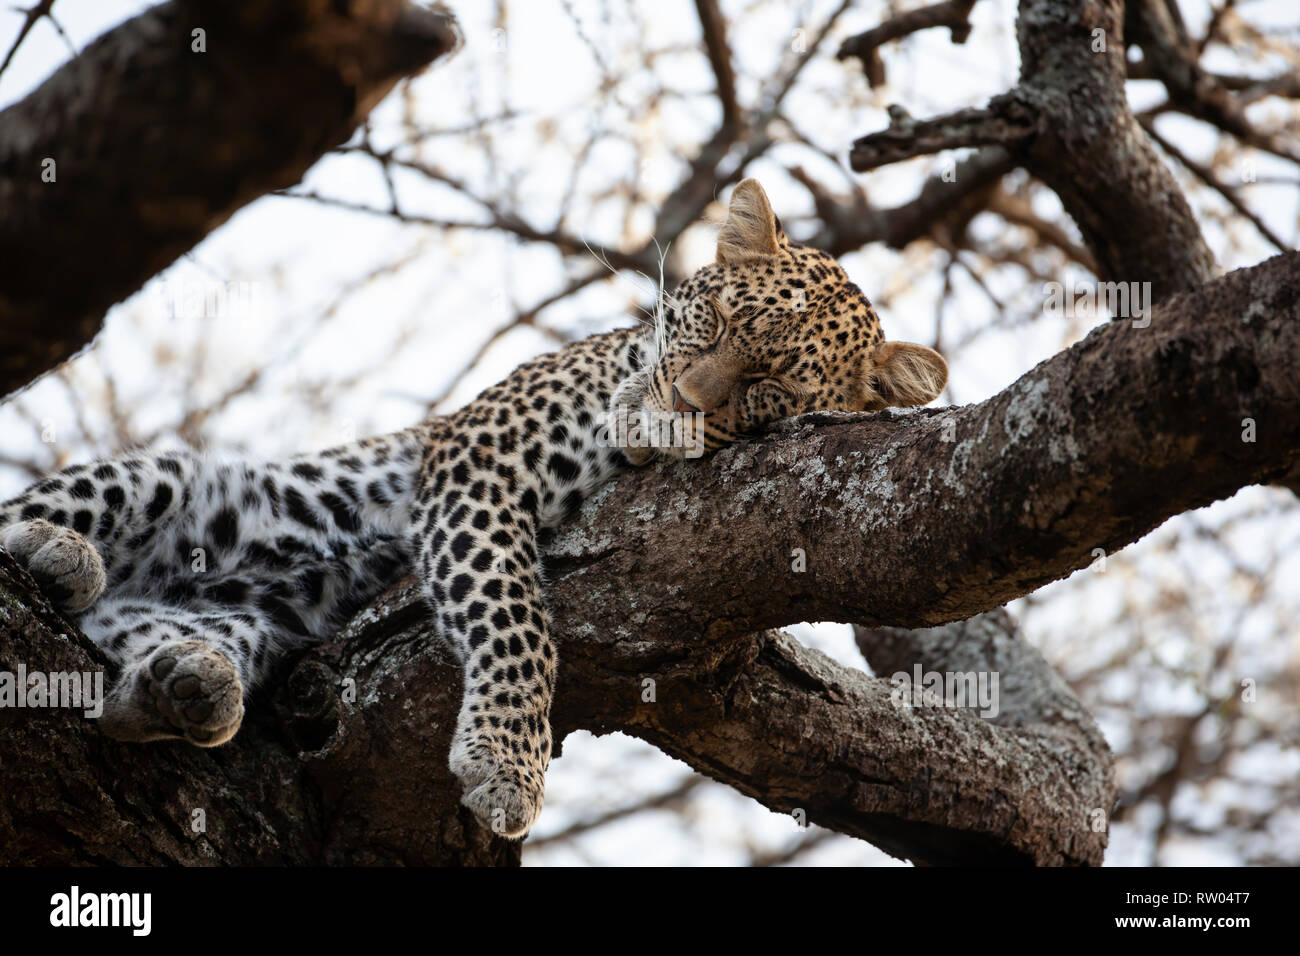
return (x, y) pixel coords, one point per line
(1035, 709)
(1094, 154)
(140, 146)
(345, 759)
(922, 518)
(804, 735)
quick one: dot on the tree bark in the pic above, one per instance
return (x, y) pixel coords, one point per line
(153, 145)
(344, 759)
(1092, 151)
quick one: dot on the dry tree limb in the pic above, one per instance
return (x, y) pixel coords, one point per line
(1004, 123)
(953, 14)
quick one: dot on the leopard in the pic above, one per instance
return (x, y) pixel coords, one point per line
(197, 572)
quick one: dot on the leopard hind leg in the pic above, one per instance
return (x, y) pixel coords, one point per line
(184, 673)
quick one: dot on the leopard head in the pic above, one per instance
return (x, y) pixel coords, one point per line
(769, 330)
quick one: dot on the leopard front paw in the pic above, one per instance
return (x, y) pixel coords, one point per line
(65, 565)
(185, 689)
(505, 790)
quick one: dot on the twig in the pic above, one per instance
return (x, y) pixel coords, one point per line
(714, 26)
(33, 13)
(1005, 122)
(953, 14)
(1207, 175)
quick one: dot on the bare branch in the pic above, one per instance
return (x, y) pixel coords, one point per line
(669, 799)
(1207, 175)
(1004, 123)
(702, 183)
(1174, 61)
(714, 27)
(943, 202)
(953, 14)
(32, 14)
(1021, 213)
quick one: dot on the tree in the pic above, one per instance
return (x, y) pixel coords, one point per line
(917, 527)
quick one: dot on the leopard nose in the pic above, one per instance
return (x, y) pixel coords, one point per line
(680, 404)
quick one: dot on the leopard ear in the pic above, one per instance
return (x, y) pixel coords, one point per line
(905, 374)
(752, 230)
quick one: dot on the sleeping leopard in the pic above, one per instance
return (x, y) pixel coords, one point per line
(290, 550)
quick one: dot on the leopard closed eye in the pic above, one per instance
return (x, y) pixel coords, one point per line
(292, 549)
